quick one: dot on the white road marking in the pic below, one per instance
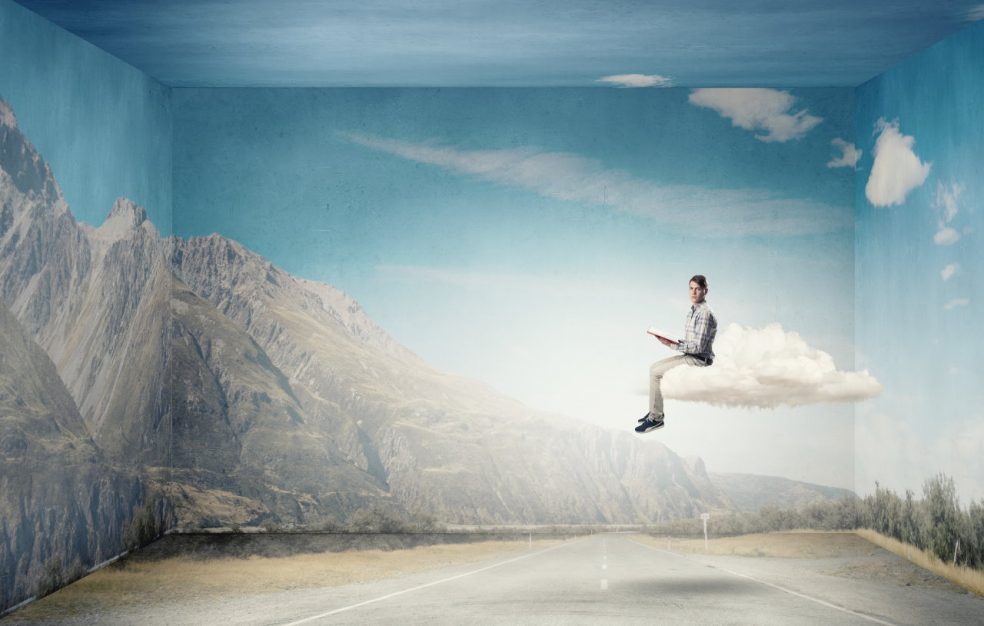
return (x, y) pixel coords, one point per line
(604, 566)
(604, 584)
(424, 586)
(783, 589)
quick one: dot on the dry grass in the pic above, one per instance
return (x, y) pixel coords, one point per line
(970, 579)
(154, 583)
(792, 545)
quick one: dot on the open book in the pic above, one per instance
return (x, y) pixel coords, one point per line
(655, 332)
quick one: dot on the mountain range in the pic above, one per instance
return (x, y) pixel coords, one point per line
(194, 381)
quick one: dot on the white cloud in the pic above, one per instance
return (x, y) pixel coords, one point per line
(896, 170)
(976, 14)
(890, 452)
(956, 302)
(849, 154)
(945, 202)
(758, 109)
(570, 177)
(946, 236)
(767, 367)
(949, 271)
(637, 80)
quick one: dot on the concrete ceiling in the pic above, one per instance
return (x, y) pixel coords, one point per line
(529, 43)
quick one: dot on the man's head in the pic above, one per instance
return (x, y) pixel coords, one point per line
(698, 289)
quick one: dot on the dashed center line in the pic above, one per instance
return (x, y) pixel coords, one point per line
(604, 584)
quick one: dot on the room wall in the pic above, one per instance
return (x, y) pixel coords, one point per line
(85, 188)
(390, 303)
(919, 282)
(526, 239)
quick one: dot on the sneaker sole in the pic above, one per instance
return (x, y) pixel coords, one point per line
(651, 428)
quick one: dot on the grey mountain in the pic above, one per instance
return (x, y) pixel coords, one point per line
(164, 382)
(63, 507)
(750, 492)
(443, 446)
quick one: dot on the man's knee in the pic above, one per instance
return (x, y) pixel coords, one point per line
(659, 368)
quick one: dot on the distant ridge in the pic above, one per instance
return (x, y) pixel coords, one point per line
(750, 492)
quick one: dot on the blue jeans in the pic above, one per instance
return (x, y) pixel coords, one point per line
(656, 371)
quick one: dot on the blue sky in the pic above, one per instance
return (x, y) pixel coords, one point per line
(919, 268)
(102, 126)
(528, 238)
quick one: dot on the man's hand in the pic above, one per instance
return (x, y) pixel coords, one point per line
(666, 342)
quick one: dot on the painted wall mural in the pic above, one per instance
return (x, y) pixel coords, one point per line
(317, 308)
(919, 279)
(527, 238)
(82, 309)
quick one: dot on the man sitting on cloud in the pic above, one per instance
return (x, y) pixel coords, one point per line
(765, 368)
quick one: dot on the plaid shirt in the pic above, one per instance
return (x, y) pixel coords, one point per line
(700, 331)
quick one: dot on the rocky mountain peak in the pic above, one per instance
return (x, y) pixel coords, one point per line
(126, 209)
(7, 117)
(21, 162)
(124, 218)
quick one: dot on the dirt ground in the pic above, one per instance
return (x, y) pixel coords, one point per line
(794, 545)
(842, 554)
(153, 579)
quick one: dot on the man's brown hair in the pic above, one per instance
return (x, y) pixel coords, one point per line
(701, 280)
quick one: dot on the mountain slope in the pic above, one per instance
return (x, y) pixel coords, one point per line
(63, 507)
(250, 395)
(750, 492)
(445, 446)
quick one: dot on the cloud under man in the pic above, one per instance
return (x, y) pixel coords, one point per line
(897, 169)
(767, 111)
(570, 177)
(637, 80)
(766, 368)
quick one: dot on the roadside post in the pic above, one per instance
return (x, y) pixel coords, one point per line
(705, 517)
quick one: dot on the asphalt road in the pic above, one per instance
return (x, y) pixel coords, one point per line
(601, 579)
(616, 579)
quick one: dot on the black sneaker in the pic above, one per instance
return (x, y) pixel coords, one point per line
(649, 423)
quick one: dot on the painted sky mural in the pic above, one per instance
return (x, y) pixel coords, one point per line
(528, 238)
(510, 43)
(919, 218)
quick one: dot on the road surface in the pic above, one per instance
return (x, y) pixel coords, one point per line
(606, 578)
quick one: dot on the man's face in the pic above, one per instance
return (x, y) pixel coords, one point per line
(697, 293)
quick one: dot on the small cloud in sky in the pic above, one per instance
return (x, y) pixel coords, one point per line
(945, 203)
(849, 154)
(766, 368)
(637, 80)
(946, 236)
(956, 303)
(976, 14)
(571, 177)
(764, 110)
(896, 170)
(949, 271)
